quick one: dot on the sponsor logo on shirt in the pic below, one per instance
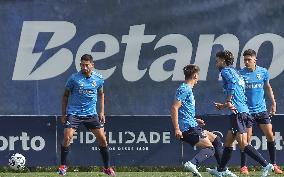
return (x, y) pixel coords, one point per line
(254, 85)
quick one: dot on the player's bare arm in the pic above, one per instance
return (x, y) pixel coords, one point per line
(64, 104)
(102, 105)
(228, 104)
(174, 115)
(270, 93)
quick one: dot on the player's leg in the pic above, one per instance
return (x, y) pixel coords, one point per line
(254, 154)
(240, 126)
(101, 138)
(266, 127)
(65, 147)
(198, 137)
(206, 151)
(237, 128)
(103, 145)
(217, 144)
(97, 128)
(244, 169)
(227, 153)
(70, 127)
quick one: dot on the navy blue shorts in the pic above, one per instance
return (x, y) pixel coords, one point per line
(193, 135)
(238, 123)
(259, 118)
(90, 122)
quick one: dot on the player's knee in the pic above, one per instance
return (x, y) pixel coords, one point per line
(212, 136)
(102, 142)
(270, 138)
(228, 144)
(67, 141)
(242, 145)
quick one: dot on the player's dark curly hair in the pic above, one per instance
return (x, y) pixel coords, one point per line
(87, 57)
(227, 56)
(249, 52)
(190, 70)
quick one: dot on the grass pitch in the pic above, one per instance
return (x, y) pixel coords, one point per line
(121, 174)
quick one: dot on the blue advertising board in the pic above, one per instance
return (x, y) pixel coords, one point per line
(140, 140)
(219, 124)
(32, 136)
(133, 141)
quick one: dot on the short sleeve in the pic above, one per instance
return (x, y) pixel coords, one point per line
(181, 93)
(101, 83)
(230, 80)
(266, 76)
(69, 84)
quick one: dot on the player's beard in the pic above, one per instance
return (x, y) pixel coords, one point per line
(86, 72)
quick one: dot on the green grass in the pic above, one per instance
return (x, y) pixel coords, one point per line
(120, 174)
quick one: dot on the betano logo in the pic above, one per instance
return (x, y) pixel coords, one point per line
(64, 31)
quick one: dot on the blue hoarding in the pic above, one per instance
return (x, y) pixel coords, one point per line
(142, 140)
(32, 136)
(133, 141)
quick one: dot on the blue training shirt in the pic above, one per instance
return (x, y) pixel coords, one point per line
(233, 84)
(255, 81)
(84, 91)
(186, 113)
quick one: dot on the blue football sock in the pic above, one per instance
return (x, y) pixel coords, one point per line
(271, 150)
(217, 143)
(227, 153)
(243, 159)
(254, 154)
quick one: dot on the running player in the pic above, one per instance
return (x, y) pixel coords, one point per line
(188, 128)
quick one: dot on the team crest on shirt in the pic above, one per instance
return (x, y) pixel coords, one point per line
(94, 83)
(258, 76)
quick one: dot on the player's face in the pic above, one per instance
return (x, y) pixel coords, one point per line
(86, 66)
(220, 63)
(250, 61)
(196, 77)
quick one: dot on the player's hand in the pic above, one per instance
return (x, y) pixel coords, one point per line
(63, 119)
(231, 107)
(178, 134)
(102, 117)
(219, 106)
(200, 122)
(273, 109)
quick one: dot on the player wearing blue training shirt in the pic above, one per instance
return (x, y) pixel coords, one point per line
(256, 80)
(79, 106)
(188, 128)
(234, 90)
